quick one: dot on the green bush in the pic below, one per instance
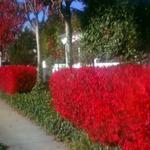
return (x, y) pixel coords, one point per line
(21, 52)
(2, 147)
(112, 33)
(38, 106)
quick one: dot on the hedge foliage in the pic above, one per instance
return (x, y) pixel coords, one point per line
(111, 104)
(37, 106)
(17, 78)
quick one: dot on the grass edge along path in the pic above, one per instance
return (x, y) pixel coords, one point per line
(37, 106)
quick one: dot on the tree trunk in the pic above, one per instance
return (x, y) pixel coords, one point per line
(39, 57)
(69, 53)
(66, 13)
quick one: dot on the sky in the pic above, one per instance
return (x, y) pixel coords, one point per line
(80, 6)
(75, 5)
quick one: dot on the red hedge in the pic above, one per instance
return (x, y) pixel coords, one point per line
(111, 104)
(14, 79)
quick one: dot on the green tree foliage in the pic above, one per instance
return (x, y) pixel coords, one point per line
(50, 37)
(112, 33)
(76, 21)
(21, 52)
(142, 18)
(94, 5)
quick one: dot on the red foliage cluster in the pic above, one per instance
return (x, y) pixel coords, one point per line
(14, 79)
(11, 20)
(111, 104)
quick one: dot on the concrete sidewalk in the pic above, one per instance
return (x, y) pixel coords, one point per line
(19, 133)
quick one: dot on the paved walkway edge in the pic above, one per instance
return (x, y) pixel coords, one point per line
(19, 133)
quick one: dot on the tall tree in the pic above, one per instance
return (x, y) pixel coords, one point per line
(11, 21)
(94, 5)
(66, 13)
(113, 33)
(63, 7)
(33, 8)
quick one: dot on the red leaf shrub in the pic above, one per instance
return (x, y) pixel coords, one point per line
(111, 104)
(14, 79)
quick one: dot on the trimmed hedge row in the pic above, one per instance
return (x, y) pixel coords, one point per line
(111, 104)
(15, 79)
